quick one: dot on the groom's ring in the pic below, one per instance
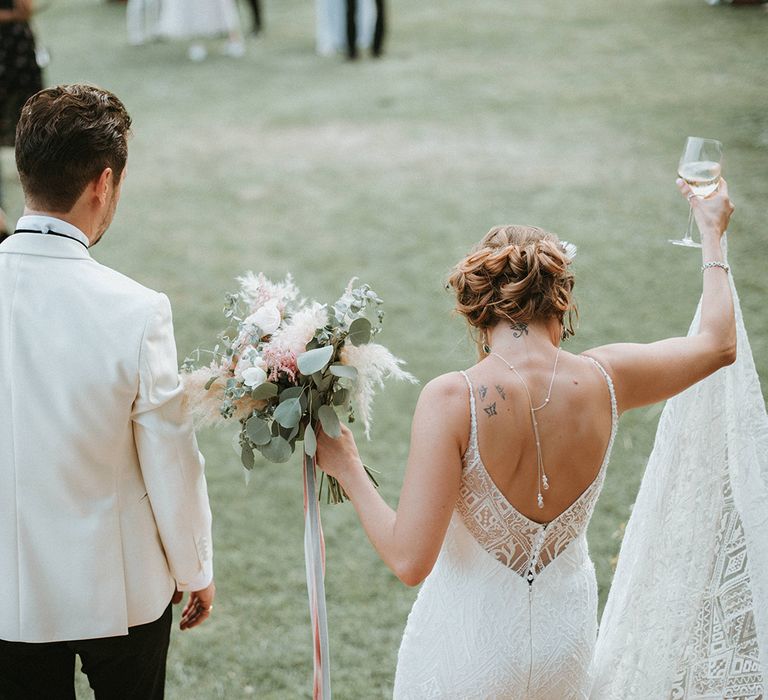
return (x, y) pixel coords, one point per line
(691, 196)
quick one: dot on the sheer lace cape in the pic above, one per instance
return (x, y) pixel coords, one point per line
(687, 614)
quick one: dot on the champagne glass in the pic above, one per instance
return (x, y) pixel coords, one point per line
(700, 166)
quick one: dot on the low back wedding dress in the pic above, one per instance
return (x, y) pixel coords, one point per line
(510, 607)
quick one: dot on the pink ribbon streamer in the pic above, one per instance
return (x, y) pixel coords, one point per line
(314, 559)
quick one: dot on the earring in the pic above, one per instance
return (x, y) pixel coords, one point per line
(486, 347)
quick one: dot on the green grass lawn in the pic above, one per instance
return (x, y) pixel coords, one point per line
(570, 115)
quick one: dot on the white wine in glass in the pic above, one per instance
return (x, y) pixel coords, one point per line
(700, 166)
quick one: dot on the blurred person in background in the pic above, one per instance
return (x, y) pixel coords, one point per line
(378, 30)
(257, 18)
(20, 76)
(199, 19)
(332, 29)
(142, 19)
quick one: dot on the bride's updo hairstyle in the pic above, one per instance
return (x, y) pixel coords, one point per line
(516, 274)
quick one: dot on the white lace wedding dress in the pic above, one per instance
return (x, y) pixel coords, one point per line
(510, 608)
(687, 614)
(190, 19)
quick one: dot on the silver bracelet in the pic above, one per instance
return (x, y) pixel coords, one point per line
(715, 263)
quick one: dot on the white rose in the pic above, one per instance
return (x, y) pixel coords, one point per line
(242, 365)
(254, 376)
(267, 318)
(248, 358)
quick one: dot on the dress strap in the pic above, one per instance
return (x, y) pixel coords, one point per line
(472, 412)
(612, 392)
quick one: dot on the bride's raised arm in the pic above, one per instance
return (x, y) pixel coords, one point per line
(408, 540)
(647, 373)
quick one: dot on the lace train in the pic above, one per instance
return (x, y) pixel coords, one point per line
(687, 614)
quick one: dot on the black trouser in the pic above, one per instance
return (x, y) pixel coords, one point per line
(256, 8)
(130, 667)
(378, 32)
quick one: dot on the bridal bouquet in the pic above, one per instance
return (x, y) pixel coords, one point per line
(282, 366)
(285, 364)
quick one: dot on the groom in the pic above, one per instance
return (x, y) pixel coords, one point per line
(104, 513)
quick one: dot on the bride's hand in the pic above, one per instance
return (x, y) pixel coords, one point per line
(712, 213)
(337, 457)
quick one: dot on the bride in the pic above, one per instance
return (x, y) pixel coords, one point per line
(506, 463)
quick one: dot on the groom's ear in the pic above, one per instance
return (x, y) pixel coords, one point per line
(103, 185)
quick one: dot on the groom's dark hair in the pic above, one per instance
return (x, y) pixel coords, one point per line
(66, 136)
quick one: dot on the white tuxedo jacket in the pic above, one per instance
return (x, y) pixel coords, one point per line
(103, 500)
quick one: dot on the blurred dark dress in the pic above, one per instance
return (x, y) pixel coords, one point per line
(20, 76)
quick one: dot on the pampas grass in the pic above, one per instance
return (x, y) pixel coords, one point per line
(374, 364)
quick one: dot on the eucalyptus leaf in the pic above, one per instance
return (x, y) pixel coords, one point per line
(246, 457)
(340, 397)
(360, 331)
(314, 360)
(330, 421)
(346, 371)
(290, 434)
(258, 430)
(264, 391)
(322, 382)
(278, 450)
(310, 441)
(292, 392)
(288, 413)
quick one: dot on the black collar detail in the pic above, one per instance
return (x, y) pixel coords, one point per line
(51, 233)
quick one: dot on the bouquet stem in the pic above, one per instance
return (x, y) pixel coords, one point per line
(334, 493)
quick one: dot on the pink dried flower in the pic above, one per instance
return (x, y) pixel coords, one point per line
(279, 361)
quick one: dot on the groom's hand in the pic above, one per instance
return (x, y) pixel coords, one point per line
(198, 607)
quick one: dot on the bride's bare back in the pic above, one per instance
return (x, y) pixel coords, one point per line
(574, 429)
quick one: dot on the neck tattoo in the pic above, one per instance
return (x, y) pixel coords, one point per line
(518, 329)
